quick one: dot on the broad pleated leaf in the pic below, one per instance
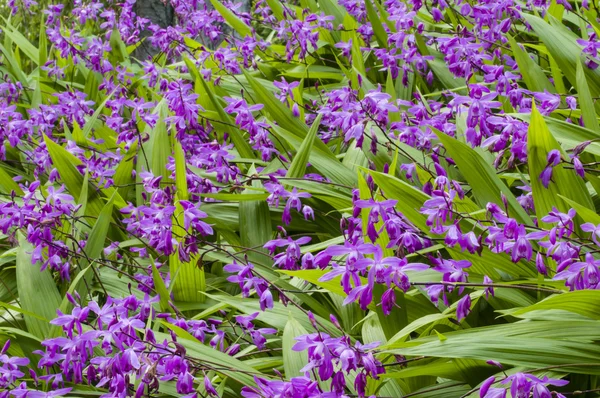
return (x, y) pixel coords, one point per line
(585, 100)
(293, 361)
(482, 177)
(298, 167)
(564, 181)
(37, 292)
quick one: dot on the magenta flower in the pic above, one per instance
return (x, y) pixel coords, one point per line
(463, 308)
(523, 384)
(363, 294)
(554, 159)
(564, 220)
(192, 216)
(346, 48)
(594, 229)
(581, 274)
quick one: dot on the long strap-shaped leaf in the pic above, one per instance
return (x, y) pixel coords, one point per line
(482, 178)
(224, 364)
(232, 20)
(239, 141)
(93, 250)
(66, 163)
(531, 344)
(293, 361)
(532, 73)
(375, 20)
(563, 47)
(275, 108)
(586, 101)
(37, 291)
(298, 166)
(564, 181)
(321, 158)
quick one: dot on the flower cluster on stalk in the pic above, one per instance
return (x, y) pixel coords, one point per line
(172, 124)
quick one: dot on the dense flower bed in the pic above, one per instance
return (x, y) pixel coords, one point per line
(312, 199)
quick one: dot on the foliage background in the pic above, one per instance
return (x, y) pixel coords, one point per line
(530, 323)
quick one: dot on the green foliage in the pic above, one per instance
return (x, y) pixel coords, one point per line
(532, 324)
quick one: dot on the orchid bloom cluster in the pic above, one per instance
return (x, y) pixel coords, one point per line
(326, 354)
(521, 385)
(332, 358)
(134, 360)
(211, 181)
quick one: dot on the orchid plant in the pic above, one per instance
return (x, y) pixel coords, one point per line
(309, 198)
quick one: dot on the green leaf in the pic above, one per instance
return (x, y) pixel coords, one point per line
(584, 212)
(277, 317)
(188, 279)
(442, 390)
(312, 72)
(97, 238)
(36, 98)
(22, 311)
(234, 197)
(161, 289)
(372, 331)
(8, 287)
(7, 184)
(415, 325)
(582, 302)
(531, 344)
(298, 167)
(232, 20)
(37, 292)
(440, 336)
(91, 85)
(568, 134)
(239, 141)
(277, 9)
(321, 158)
(331, 7)
(91, 122)
(118, 51)
(224, 364)
(123, 175)
(161, 149)
(275, 108)
(358, 61)
(533, 75)
(24, 45)
(293, 361)
(66, 163)
(255, 224)
(585, 100)
(562, 45)
(180, 172)
(488, 262)
(83, 198)
(380, 34)
(42, 44)
(439, 368)
(482, 178)
(333, 286)
(412, 198)
(564, 181)
(13, 66)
